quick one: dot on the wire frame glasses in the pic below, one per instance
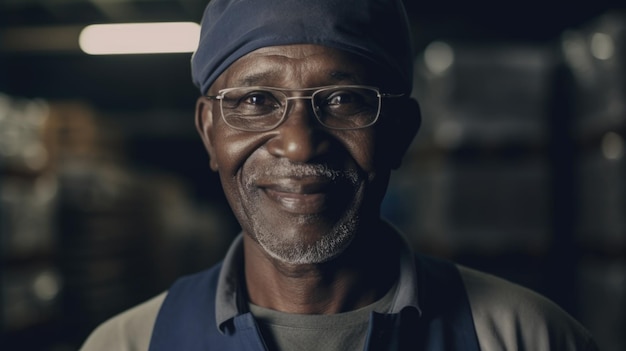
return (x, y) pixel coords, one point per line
(260, 108)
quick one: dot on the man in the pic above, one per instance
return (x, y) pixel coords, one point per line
(305, 110)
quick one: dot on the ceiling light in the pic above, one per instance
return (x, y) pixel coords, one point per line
(139, 38)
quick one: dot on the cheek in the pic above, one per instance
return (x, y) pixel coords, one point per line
(230, 157)
(230, 153)
(363, 146)
(232, 148)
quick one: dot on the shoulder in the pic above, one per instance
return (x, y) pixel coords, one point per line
(128, 331)
(508, 317)
(132, 329)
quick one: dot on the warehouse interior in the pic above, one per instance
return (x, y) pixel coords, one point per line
(106, 195)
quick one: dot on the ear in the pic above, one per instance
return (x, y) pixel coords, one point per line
(204, 125)
(403, 129)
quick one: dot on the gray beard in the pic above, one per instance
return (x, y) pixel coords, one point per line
(295, 251)
(291, 249)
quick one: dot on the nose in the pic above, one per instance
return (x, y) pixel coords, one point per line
(300, 138)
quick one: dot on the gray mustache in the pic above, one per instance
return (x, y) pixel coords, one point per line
(281, 170)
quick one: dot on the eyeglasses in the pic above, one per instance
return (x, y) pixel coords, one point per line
(258, 108)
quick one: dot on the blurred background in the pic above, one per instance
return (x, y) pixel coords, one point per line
(106, 195)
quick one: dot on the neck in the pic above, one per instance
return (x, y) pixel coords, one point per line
(358, 277)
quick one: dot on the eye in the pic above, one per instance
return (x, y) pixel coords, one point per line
(251, 102)
(259, 98)
(347, 102)
(339, 98)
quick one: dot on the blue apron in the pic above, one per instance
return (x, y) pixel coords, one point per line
(186, 320)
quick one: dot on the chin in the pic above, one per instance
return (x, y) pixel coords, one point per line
(292, 249)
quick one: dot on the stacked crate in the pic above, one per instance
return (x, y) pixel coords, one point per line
(30, 281)
(596, 55)
(519, 168)
(479, 172)
(105, 219)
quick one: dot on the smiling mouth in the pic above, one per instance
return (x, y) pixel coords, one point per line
(301, 196)
(298, 203)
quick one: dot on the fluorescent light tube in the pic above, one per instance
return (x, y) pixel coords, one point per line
(139, 38)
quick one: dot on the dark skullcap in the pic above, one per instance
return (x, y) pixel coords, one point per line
(377, 30)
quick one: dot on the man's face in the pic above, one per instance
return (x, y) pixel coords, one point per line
(301, 191)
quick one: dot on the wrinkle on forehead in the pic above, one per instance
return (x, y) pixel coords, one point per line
(295, 66)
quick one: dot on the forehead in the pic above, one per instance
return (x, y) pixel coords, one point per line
(297, 66)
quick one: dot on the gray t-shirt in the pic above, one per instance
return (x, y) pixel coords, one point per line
(328, 332)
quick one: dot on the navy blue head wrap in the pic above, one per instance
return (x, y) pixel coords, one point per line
(377, 30)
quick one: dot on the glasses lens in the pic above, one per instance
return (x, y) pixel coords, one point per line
(347, 107)
(252, 108)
